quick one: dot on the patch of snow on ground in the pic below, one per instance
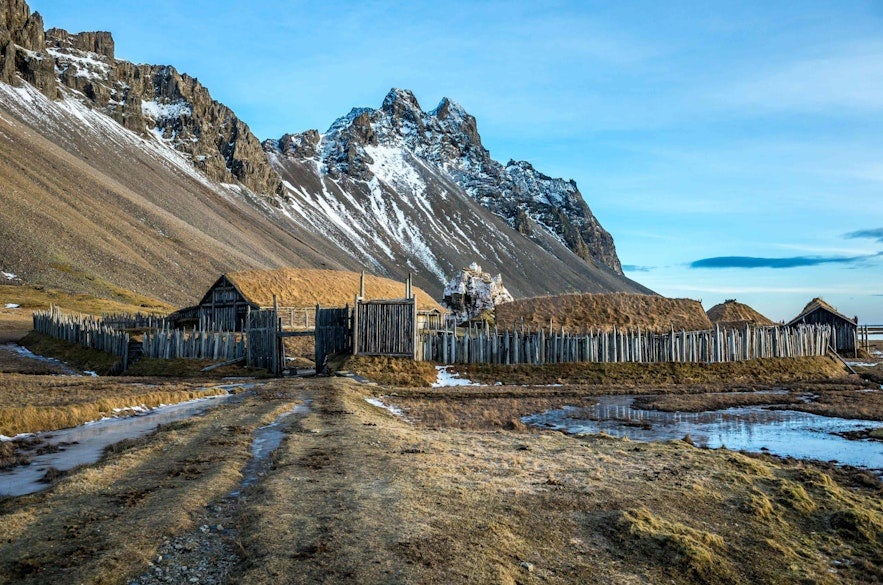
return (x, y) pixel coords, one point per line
(862, 364)
(12, 306)
(380, 404)
(446, 379)
(9, 275)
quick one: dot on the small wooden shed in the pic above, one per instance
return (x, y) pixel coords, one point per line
(227, 302)
(818, 312)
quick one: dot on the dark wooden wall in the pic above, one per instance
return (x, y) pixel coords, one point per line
(223, 308)
(843, 338)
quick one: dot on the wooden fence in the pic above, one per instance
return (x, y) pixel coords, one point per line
(333, 333)
(544, 347)
(83, 330)
(194, 344)
(134, 321)
(386, 327)
(262, 342)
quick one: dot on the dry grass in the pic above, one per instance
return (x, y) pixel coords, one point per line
(77, 356)
(580, 312)
(103, 523)
(38, 403)
(734, 314)
(120, 301)
(752, 373)
(356, 495)
(391, 371)
(863, 404)
(301, 287)
(359, 496)
(187, 368)
(715, 401)
(480, 412)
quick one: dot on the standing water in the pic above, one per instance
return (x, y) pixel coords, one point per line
(85, 444)
(787, 433)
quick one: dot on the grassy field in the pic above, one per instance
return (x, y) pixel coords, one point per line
(45, 403)
(355, 494)
(15, 323)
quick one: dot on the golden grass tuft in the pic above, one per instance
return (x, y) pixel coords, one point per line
(864, 523)
(582, 311)
(392, 371)
(676, 543)
(794, 496)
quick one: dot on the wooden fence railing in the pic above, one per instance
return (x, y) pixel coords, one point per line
(193, 344)
(543, 347)
(134, 321)
(83, 330)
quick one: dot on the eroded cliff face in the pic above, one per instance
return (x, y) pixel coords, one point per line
(447, 138)
(143, 98)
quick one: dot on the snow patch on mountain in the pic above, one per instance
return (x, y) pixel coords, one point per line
(156, 110)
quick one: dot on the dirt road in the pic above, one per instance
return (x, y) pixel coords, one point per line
(355, 494)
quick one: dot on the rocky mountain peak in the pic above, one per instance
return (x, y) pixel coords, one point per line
(151, 100)
(447, 137)
(398, 101)
(98, 42)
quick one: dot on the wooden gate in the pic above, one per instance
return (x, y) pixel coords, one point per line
(333, 334)
(263, 344)
(386, 327)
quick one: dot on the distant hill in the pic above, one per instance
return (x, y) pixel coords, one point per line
(122, 176)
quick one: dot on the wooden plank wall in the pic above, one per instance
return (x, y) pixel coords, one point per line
(194, 344)
(263, 344)
(386, 327)
(333, 333)
(482, 345)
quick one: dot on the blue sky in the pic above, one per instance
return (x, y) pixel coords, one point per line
(733, 149)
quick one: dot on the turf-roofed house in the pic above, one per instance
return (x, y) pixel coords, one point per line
(818, 312)
(732, 314)
(295, 293)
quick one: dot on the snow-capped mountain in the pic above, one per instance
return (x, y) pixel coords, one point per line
(139, 179)
(446, 139)
(397, 186)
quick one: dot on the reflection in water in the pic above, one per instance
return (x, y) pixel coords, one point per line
(755, 428)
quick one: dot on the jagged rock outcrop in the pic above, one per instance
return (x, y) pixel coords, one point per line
(447, 137)
(21, 48)
(474, 292)
(147, 99)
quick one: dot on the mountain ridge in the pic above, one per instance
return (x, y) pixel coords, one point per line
(175, 188)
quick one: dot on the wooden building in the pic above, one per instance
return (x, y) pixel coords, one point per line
(228, 301)
(818, 312)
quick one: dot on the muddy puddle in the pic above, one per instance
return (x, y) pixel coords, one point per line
(786, 433)
(68, 448)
